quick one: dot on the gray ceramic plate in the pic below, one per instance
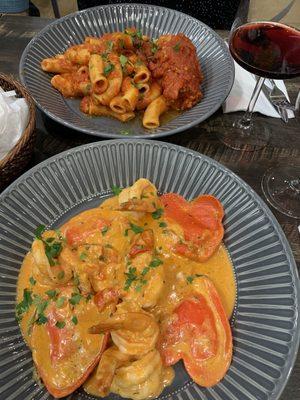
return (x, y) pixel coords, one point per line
(213, 54)
(265, 324)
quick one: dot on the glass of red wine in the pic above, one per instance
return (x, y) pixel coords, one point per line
(269, 50)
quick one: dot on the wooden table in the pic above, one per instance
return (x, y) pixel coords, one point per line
(52, 138)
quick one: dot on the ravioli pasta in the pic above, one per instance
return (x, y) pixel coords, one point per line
(120, 293)
(121, 73)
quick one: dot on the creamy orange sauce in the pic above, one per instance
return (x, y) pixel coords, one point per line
(164, 286)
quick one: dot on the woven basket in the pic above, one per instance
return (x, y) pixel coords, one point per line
(15, 161)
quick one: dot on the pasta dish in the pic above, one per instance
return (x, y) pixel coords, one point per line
(122, 73)
(122, 292)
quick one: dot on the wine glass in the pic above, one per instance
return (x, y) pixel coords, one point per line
(281, 187)
(270, 50)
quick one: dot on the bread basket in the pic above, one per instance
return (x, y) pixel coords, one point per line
(18, 157)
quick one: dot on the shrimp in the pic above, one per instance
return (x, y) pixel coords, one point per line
(146, 290)
(141, 196)
(141, 379)
(48, 274)
(142, 242)
(100, 382)
(107, 299)
(134, 333)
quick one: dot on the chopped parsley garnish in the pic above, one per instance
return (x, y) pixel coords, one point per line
(24, 305)
(60, 324)
(158, 213)
(124, 132)
(162, 225)
(75, 299)
(52, 251)
(138, 287)
(138, 64)
(108, 69)
(60, 236)
(41, 304)
(51, 293)
(61, 275)
(39, 230)
(74, 320)
(155, 263)
(110, 45)
(131, 277)
(139, 34)
(83, 256)
(88, 297)
(60, 302)
(145, 271)
(190, 278)
(123, 60)
(42, 319)
(104, 230)
(52, 246)
(140, 280)
(76, 280)
(32, 281)
(134, 228)
(154, 47)
(116, 190)
(176, 48)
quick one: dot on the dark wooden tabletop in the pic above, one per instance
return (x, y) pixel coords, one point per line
(52, 138)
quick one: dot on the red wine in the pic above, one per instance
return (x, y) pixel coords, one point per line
(267, 49)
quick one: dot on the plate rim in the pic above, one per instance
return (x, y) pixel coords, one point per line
(94, 132)
(283, 380)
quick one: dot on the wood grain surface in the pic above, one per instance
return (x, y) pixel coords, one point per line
(284, 145)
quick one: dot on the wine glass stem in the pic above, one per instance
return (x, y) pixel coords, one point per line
(246, 121)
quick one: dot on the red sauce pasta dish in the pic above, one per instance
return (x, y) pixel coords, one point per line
(122, 292)
(121, 73)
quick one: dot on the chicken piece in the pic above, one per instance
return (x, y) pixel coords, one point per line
(141, 196)
(176, 64)
(134, 333)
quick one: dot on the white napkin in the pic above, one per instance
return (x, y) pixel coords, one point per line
(14, 115)
(242, 90)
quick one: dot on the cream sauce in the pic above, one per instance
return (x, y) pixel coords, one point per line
(165, 285)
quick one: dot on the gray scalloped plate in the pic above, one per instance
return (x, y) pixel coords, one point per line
(265, 324)
(216, 63)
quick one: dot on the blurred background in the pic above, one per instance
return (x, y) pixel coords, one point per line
(258, 10)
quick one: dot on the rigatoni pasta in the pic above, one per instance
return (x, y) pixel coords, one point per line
(96, 72)
(153, 112)
(122, 73)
